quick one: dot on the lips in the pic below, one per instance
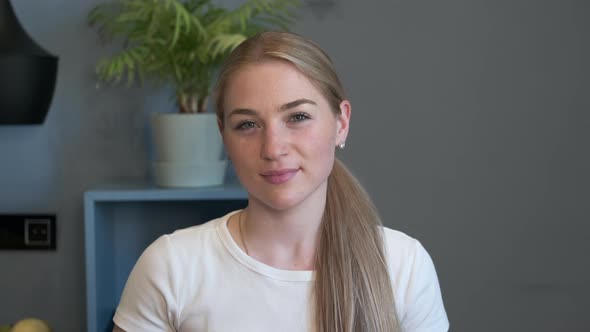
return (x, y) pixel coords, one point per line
(279, 176)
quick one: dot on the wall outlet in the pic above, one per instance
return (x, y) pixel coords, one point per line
(38, 232)
(27, 231)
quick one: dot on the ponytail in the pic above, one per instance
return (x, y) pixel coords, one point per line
(353, 289)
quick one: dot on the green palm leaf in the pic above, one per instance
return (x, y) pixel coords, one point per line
(179, 41)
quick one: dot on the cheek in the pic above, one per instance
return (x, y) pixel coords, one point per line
(320, 147)
(236, 149)
(321, 137)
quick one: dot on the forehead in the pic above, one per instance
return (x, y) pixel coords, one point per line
(268, 83)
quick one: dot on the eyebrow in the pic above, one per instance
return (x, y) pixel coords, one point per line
(285, 107)
(296, 103)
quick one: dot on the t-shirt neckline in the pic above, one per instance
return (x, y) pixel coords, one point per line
(252, 264)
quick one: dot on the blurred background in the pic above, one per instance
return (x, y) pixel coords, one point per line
(469, 130)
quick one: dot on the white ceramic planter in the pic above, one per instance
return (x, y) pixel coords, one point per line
(187, 137)
(189, 150)
(178, 174)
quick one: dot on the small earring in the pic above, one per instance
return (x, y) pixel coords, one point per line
(341, 145)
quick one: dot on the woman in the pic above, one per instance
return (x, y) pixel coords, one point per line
(308, 252)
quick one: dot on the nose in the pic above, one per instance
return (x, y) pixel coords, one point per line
(274, 144)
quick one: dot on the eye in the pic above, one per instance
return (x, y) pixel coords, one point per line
(245, 125)
(298, 117)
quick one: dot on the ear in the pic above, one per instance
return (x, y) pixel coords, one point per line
(343, 121)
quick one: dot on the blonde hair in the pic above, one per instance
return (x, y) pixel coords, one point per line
(352, 288)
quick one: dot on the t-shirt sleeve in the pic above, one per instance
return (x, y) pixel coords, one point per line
(425, 311)
(148, 302)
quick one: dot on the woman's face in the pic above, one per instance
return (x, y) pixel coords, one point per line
(280, 133)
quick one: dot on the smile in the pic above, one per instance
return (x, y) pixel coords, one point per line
(279, 176)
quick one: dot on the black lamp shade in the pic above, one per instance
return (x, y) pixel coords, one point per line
(27, 73)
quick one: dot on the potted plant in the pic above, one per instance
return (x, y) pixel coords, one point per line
(182, 43)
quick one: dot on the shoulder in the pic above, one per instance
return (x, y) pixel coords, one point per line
(199, 235)
(415, 283)
(401, 250)
(397, 242)
(176, 249)
(157, 287)
(405, 255)
(195, 236)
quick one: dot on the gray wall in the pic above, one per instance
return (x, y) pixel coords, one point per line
(469, 130)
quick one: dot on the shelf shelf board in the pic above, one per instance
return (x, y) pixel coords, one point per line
(150, 192)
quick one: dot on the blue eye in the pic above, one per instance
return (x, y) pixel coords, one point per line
(298, 117)
(245, 125)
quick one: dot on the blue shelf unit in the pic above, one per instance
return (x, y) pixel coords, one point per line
(122, 220)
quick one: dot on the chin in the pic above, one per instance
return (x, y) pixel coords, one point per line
(279, 201)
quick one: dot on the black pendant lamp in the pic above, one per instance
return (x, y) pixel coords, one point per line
(27, 73)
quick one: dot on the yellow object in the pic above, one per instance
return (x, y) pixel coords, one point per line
(30, 325)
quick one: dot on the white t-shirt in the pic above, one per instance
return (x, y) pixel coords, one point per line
(199, 279)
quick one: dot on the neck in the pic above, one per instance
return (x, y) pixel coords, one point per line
(288, 238)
